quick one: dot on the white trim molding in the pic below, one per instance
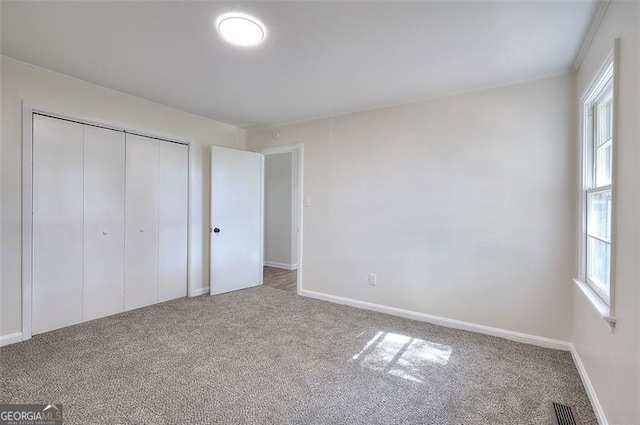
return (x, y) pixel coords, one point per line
(597, 302)
(434, 96)
(281, 265)
(608, 70)
(199, 291)
(119, 93)
(443, 321)
(586, 382)
(601, 9)
(10, 338)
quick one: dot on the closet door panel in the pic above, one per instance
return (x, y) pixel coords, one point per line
(173, 176)
(57, 223)
(104, 168)
(141, 228)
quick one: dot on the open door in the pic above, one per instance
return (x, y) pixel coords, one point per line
(236, 235)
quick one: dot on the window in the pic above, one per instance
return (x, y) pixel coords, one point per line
(598, 170)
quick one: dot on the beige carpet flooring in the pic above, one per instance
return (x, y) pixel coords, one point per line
(265, 356)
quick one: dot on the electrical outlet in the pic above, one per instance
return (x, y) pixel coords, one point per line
(373, 279)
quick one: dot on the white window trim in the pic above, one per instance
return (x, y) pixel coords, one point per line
(609, 66)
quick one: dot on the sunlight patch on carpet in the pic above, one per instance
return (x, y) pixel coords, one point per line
(402, 356)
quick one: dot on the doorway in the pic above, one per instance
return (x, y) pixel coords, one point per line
(282, 217)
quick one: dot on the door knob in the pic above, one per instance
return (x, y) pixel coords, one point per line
(141, 230)
(105, 232)
(216, 230)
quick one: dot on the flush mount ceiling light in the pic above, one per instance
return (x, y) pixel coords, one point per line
(240, 29)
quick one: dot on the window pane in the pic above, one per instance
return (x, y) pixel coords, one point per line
(598, 263)
(599, 214)
(604, 122)
(603, 164)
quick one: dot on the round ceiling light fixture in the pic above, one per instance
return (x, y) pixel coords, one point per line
(241, 29)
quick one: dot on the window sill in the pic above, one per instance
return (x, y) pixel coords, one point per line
(597, 303)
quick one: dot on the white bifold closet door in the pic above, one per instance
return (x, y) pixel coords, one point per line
(141, 240)
(57, 223)
(156, 221)
(109, 222)
(173, 166)
(103, 291)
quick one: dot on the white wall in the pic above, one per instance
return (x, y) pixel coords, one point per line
(463, 206)
(46, 88)
(612, 360)
(277, 218)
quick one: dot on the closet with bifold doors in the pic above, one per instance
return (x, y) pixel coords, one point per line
(109, 222)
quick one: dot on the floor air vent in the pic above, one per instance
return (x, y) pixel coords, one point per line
(564, 415)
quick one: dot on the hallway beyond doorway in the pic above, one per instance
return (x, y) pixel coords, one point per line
(285, 280)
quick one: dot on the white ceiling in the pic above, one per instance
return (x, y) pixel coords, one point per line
(319, 58)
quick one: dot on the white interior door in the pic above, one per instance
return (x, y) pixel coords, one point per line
(173, 168)
(57, 223)
(141, 228)
(236, 219)
(103, 290)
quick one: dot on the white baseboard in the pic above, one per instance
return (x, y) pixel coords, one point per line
(199, 291)
(10, 339)
(443, 321)
(281, 265)
(586, 382)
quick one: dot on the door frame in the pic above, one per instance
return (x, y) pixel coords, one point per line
(297, 200)
(30, 108)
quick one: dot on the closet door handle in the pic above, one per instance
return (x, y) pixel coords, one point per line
(141, 230)
(105, 232)
(216, 230)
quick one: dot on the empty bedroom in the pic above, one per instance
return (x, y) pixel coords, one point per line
(320, 212)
